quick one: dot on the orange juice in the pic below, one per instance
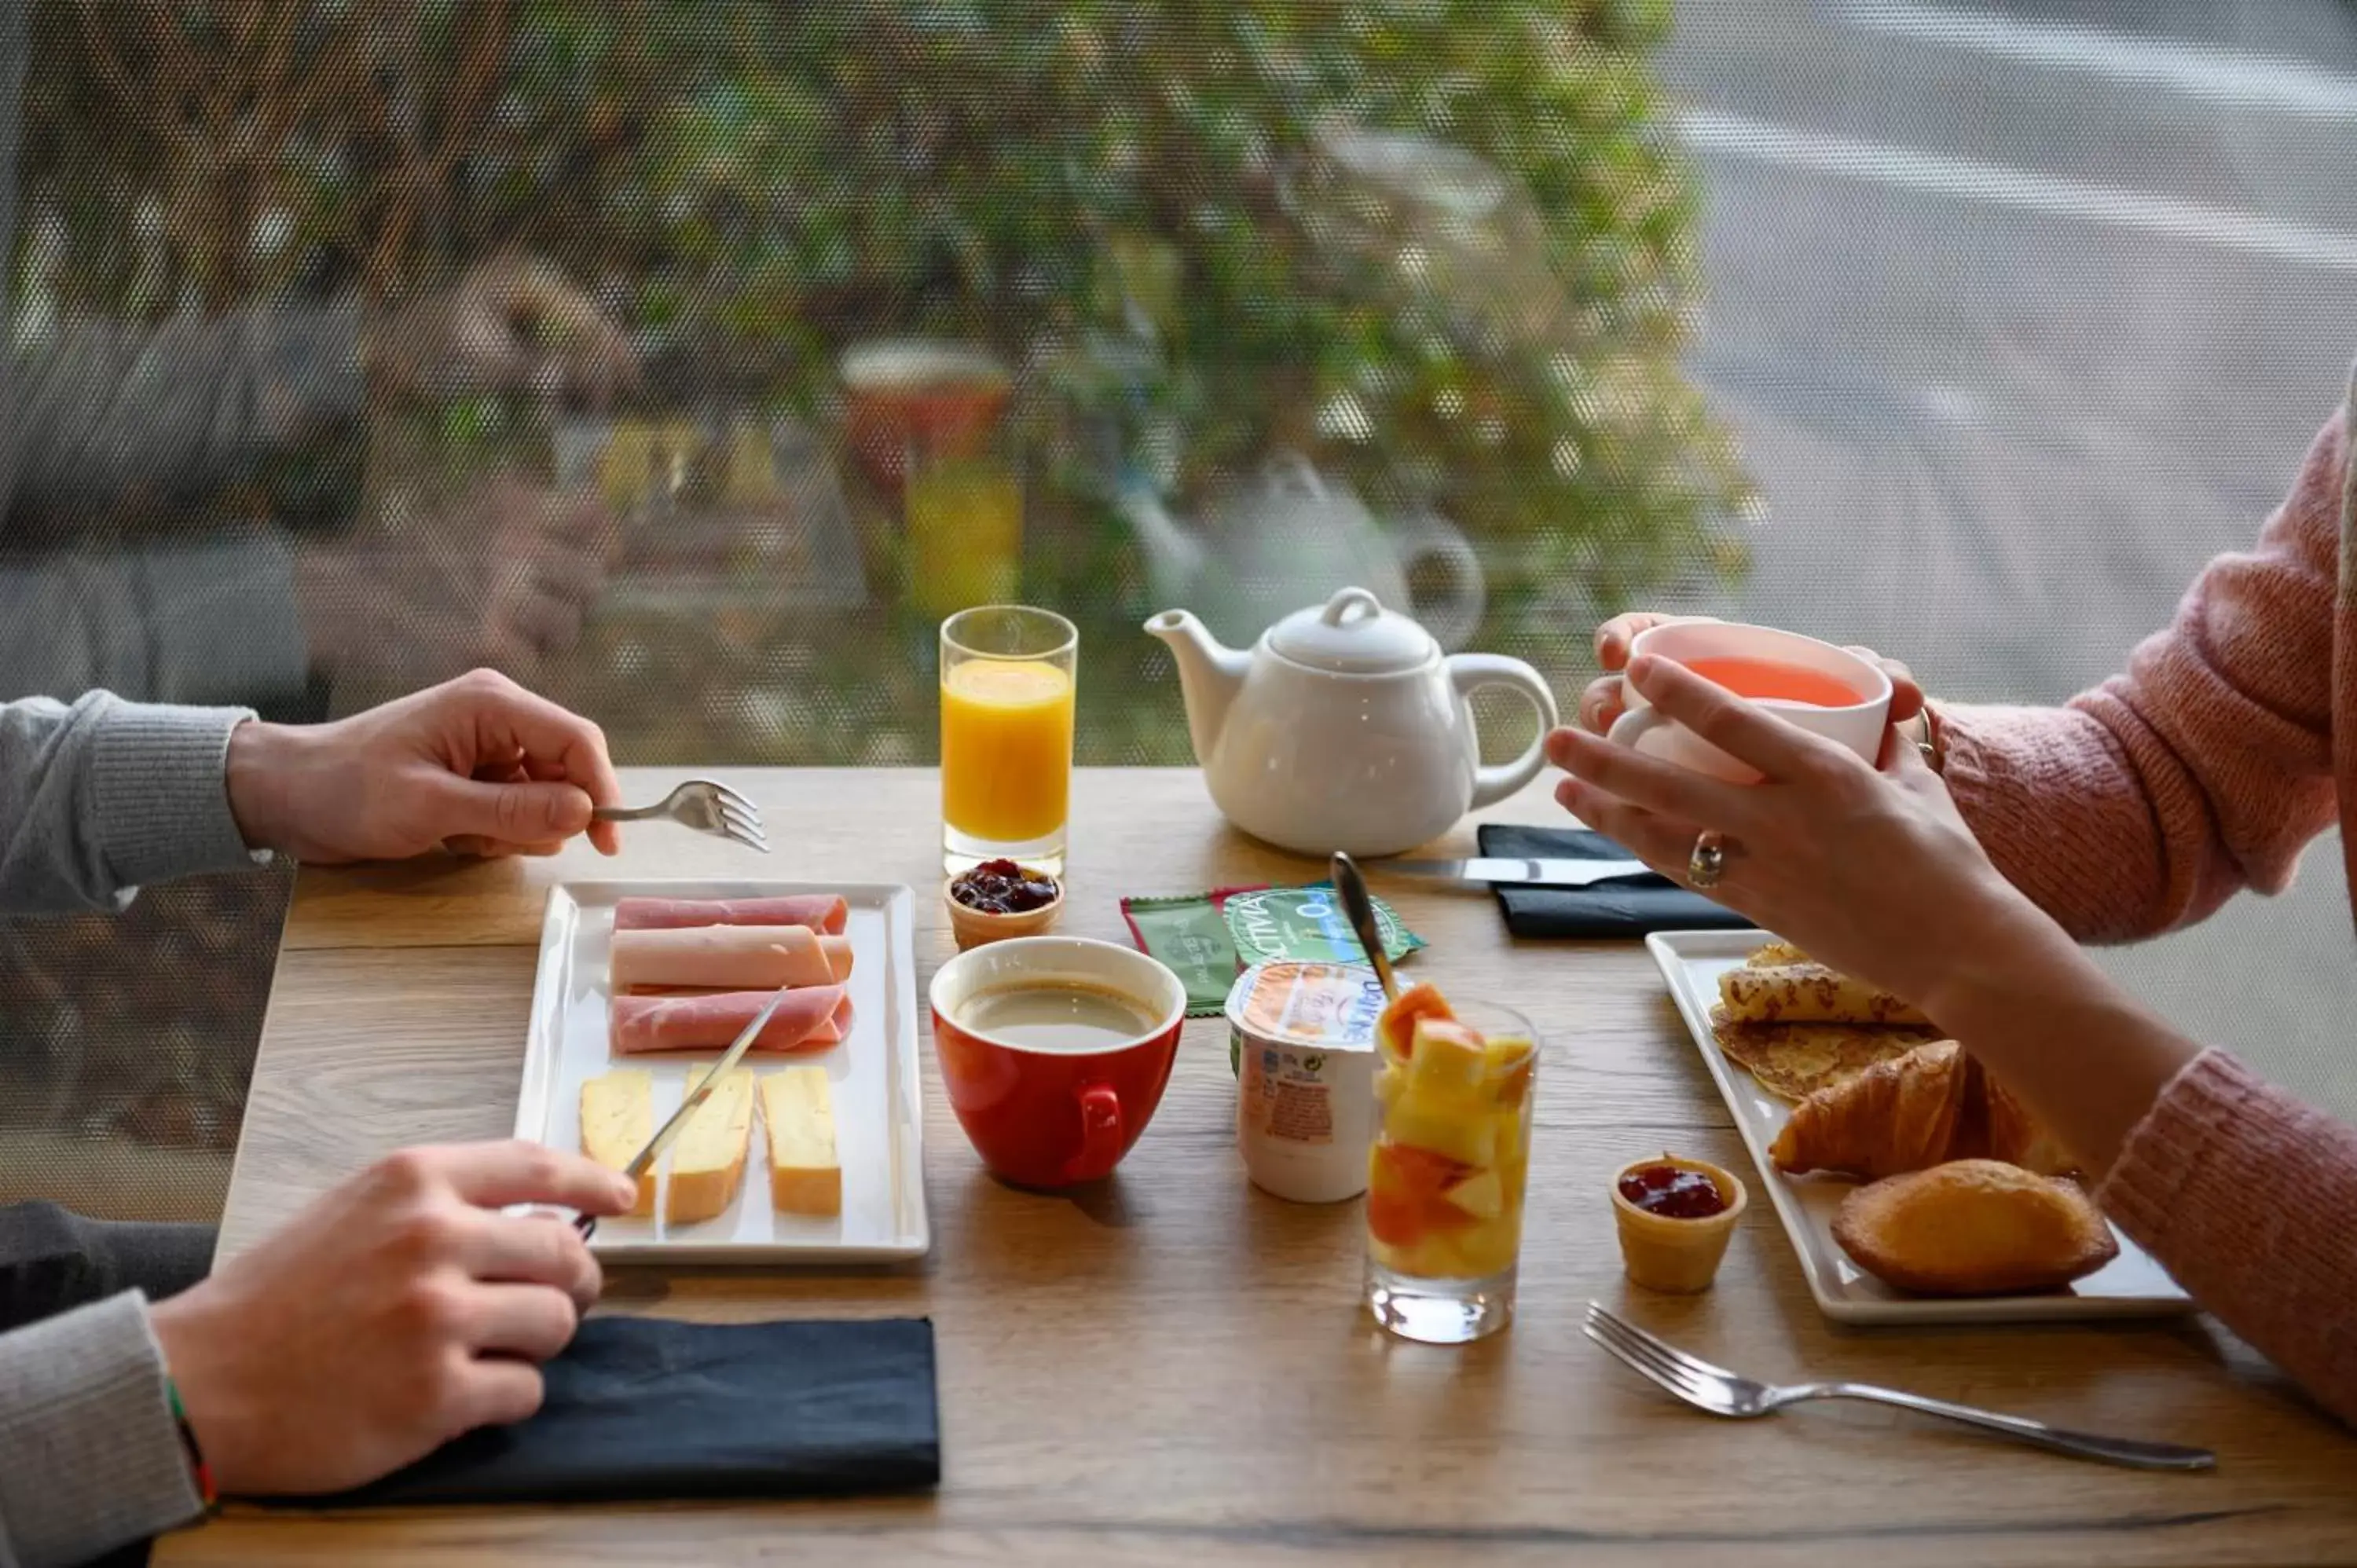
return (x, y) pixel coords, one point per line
(1006, 749)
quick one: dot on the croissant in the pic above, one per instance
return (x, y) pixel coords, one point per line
(1932, 1105)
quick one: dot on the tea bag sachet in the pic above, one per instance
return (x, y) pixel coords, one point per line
(1209, 938)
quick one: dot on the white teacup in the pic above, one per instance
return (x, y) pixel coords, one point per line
(1825, 689)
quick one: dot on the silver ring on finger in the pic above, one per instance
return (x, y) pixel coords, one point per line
(1707, 864)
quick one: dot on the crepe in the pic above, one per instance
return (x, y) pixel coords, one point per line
(1776, 955)
(1809, 994)
(1973, 1227)
(1793, 1061)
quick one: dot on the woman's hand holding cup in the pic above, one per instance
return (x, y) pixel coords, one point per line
(1871, 869)
(1827, 690)
(1604, 701)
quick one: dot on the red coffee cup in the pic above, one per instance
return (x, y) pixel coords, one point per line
(1055, 1116)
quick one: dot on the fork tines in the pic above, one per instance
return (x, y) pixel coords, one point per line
(1691, 1378)
(740, 820)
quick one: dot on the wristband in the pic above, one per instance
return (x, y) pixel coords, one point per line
(197, 1468)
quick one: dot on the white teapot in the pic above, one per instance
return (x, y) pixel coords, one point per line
(1344, 727)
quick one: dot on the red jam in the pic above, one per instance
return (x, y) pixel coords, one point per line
(1003, 888)
(1673, 1192)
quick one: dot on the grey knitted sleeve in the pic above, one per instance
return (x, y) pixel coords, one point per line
(97, 798)
(93, 1459)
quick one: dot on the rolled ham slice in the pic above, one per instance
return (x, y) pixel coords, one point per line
(808, 1019)
(729, 958)
(822, 912)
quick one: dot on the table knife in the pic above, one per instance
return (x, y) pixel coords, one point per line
(638, 1168)
(1532, 872)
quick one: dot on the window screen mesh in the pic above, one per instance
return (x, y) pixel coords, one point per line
(689, 360)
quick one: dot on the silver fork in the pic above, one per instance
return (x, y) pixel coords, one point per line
(1722, 1392)
(704, 805)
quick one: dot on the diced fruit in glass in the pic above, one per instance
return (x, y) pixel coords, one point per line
(1393, 1219)
(1490, 1247)
(1505, 1051)
(1434, 1258)
(1511, 1137)
(1403, 1218)
(1448, 1062)
(1422, 1123)
(1415, 1258)
(1511, 1175)
(1509, 1062)
(1438, 1259)
(1482, 1195)
(1396, 1027)
(1399, 1167)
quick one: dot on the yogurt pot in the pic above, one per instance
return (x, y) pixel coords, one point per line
(1301, 1036)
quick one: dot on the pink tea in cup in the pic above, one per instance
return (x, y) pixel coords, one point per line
(1773, 680)
(1820, 688)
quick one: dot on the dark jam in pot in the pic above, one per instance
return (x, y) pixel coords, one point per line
(1673, 1192)
(1003, 888)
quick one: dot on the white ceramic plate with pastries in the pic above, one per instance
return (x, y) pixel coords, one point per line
(2129, 1285)
(811, 1150)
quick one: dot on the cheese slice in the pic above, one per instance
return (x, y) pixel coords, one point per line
(804, 1175)
(708, 1161)
(618, 1117)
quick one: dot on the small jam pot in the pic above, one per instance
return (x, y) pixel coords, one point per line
(974, 927)
(1677, 1251)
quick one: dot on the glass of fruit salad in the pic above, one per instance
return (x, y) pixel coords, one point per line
(1448, 1165)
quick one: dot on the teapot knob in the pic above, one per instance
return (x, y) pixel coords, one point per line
(1345, 601)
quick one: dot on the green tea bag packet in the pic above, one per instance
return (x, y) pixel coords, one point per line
(1209, 938)
(1307, 923)
(1187, 934)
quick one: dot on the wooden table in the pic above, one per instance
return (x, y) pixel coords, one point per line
(1176, 1367)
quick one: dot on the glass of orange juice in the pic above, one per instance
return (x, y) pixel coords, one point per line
(1007, 672)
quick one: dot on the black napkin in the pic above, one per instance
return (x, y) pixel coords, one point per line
(646, 1408)
(1629, 907)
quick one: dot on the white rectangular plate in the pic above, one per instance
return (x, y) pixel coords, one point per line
(878, 1097)
(2130, 1285)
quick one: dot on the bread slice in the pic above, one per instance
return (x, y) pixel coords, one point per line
(618, 1117)
(708, 1161)
(804, 1175)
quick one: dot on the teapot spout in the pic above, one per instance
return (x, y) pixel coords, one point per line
(1209, 676)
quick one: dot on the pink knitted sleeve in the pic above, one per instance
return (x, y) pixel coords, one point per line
(2243, 1194)
(2148, 802)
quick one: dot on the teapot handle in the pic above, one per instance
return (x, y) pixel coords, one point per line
(1471, 672)
(1453, 618)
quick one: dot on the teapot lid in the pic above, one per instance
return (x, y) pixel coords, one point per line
(1352, 634)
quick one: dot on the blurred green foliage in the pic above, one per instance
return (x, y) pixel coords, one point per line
(1143, 206)
(1442, 248)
